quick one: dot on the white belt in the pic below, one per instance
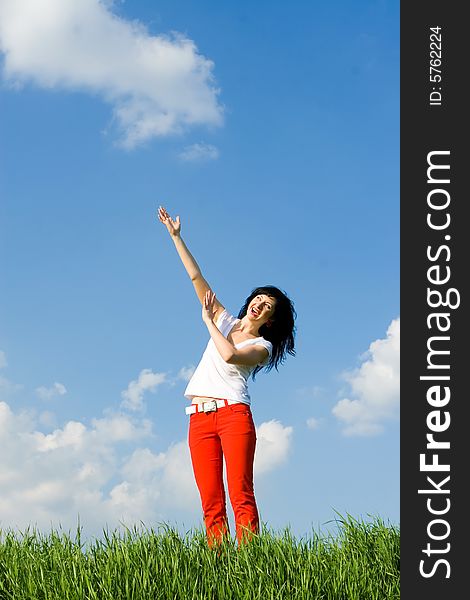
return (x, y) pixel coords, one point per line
(209, 406)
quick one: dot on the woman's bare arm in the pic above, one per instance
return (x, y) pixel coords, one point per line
(192, 268)
(251, 356)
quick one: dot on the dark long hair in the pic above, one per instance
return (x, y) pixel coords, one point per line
(281, 332)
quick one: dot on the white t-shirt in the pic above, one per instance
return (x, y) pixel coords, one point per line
(216, 378)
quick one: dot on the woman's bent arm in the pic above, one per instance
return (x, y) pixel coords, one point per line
(251, 356)
(245, 356)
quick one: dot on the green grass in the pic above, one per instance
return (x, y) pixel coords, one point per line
(359, 562)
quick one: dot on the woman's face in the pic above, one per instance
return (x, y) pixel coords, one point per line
(261, 308)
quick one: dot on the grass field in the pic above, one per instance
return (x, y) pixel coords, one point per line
(359, 562)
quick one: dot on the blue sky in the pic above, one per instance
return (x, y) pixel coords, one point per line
(272, 129)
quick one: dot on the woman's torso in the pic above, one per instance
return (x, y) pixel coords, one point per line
(235, 336)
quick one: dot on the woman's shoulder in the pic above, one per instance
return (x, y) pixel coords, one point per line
(225, 316)
(225, 320)
(266, 343)
(261, 341)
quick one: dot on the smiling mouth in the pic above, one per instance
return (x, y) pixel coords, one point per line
(254, 312)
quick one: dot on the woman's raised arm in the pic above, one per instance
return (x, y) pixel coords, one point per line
(192, 268)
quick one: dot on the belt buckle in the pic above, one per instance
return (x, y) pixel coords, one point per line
(210, 406)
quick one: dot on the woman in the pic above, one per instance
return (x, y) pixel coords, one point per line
(221, 425)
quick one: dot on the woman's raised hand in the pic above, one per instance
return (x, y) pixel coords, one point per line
(173, 226)
(209, 307)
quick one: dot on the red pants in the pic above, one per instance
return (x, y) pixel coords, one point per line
(228, 432)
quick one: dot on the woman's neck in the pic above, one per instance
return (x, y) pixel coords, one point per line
(247, 327)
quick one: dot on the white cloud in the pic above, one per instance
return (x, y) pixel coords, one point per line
(313, 423)
(199, 153)
(156, 84)
(272, 445)
(185, 373)
(81, 470)
(120, 428)
(104, 471)
(48, 418)
(374, 387)
(147, 381)
(162, 481)
(58, 389)
(73, 435)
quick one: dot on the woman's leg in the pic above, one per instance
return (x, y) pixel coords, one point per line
(238, 436)
(207, 460)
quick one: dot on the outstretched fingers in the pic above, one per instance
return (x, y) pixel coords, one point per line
(163, 214)
(208, 306)
(209, 300)
(173, 225)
